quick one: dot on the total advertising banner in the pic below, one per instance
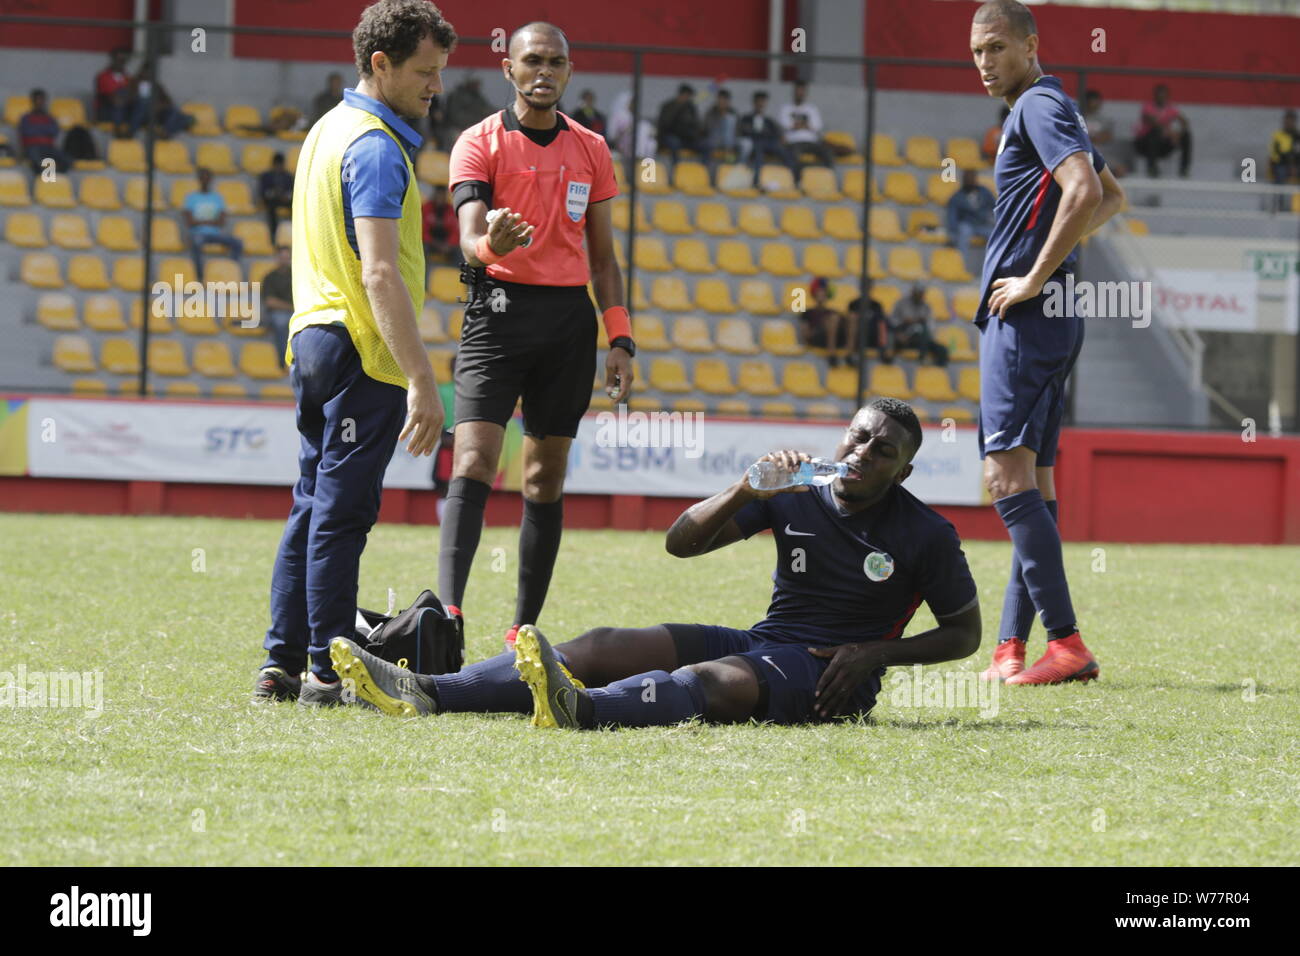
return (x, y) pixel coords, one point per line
(661, 454)
(1216, 300)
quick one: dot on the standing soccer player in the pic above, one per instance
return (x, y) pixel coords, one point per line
(1053, 189)
(529, 329)
(359, 369)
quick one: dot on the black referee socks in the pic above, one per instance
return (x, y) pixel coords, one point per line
(539, 543)
(462, 526)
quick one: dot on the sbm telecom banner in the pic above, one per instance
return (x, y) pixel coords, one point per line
(629, 453)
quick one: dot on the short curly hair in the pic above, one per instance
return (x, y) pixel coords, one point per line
(396, 27)
(902, 413)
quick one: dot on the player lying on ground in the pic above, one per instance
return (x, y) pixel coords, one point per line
(854, 561)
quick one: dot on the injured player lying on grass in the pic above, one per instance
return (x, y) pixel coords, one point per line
(855, 558)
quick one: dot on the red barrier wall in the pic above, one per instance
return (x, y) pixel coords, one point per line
(1126, 486)
(1224, 42)
(69, 38)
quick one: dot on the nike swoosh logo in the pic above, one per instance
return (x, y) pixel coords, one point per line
(802, 534)
(773, 663)
(994, 436)
(560, 705)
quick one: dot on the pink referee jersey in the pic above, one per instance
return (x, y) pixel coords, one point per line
(550, 186)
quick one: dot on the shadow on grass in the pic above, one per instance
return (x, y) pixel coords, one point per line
(995, 724)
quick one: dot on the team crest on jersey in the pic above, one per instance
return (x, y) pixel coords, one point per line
(878, 566)
(576, 201)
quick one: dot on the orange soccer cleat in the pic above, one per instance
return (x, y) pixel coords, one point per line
(1008, 660)
(1064, 660)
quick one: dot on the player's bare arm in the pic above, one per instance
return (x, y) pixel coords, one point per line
(1081, 195)
(506, 234)
(607, 280)
(390, 301)
(957, 636)
(707, 525)
(1113, 200)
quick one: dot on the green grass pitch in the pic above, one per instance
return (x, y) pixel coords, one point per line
(1187, 751)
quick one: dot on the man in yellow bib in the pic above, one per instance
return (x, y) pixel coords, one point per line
(360, 374)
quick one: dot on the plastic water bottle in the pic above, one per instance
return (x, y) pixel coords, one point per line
(771, 475)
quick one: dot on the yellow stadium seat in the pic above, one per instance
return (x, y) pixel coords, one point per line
(455, 322)
(89, 386)
(842, 293)
(958, 413)
(165, 236)
(818, 182)
(965, 302)
(620, 216)
(736, 181)
(239, 201)
(840, 222)
(777, 258)
(212, 360)
(778, 182)
(713, 377)
(440, 359)
(255, 158)
(72, 354)
(26, 230)
(924, 224)
(432, 166)
(68, 110)
(885, 226)
(57, 311)
(968, 383)
(732, 406)
(231, 390)
(965, 153)
(692, 178)
(953, 337)
(755, 297)
(120, 357)
(714, 218)
(905, 264)
(100, 192)
(779, 338)
(901, 188)
(939, 190)
(159, 321)
(222, 269)
(117, 233)
(172, 156)
(756, 220)
(181, 389)
(135, 195)
(445, 284)
(104, 314)
(801, 380)
(777, 410)
(669, 293)
(923, 151)
(855, 185)
(853, 262)
(889, 380)
(1138, 227)
(756, 378)
(653, 178)
(180, 188)
(199, 324)
(56, 194)
(670, 217)
(843, 140)
(276, 392)
(795, 296)
(887, 296)
(167, 357)
(256, 237)
(932, 384)
(41, 271)
(823, 410)
(430, 322)
(243, 120)
(217, 158)
(691, 334)
(798, 222)
(13, 188)
(258, 268)
(258, 360)
(734, 257)
(128, 274)
(648, 331)
(126, 155)
(205, 119)
(689, 405)
(15, 107)
(842, 382)
(737, 337)
(175, 270)
(947, 264)
(884, 150)
(645, 403)
(938, 303)
(714, 295)
(820, 259)
(668, 375)
(651, 255)
(692, 255)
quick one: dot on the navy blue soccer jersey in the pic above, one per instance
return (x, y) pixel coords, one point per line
(1043, 129)
(851, 577)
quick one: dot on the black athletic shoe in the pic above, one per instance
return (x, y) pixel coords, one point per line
(275, 683)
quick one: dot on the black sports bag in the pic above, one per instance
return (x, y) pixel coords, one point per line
(424, 636)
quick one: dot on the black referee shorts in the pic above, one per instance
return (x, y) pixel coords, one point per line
(538, 342)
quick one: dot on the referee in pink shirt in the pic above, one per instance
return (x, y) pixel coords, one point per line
(529, 329)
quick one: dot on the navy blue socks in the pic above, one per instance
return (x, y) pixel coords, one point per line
(1017, 608)
(653, 699)
(1037, 542)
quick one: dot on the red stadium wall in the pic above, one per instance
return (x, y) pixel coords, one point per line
(1125, 486)
(1222, 42)
(69, 38)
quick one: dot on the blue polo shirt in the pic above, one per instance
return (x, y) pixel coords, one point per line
(374, 171)
(1044, 128)
(850, 577)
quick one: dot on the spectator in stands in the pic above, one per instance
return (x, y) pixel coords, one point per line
(993, 137)
(38, 136)
(113, 93)
(1163, 129)
(913, 323)
(1101, 130)
(277, 299)
(761, 136)
(275, 190)
(620, 133)
(720, 126)
(679, 127)
(588, 115)
(1284, 151)
(803, 126)
(329, 98)
(875, 325)
(821, 327)
(970, 214)
(441, 228)
(152, 98)
(465, 106)
(205, 219)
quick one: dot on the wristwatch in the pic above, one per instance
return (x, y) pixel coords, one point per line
(624, 342)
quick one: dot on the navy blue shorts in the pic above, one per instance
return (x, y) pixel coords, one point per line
(787, 673)
(1025, 360)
